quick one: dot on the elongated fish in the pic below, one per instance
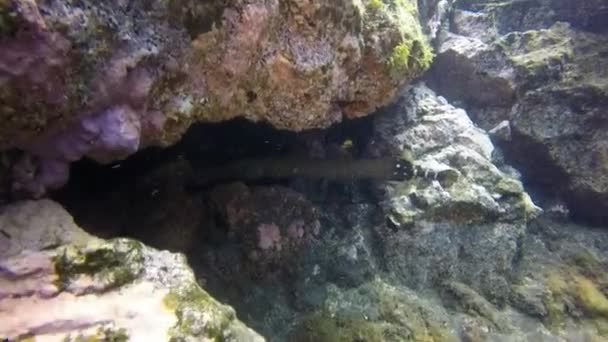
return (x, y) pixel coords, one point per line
(284, 168)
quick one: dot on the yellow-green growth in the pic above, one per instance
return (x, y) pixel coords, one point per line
(590, 298)
(554, 299)
(398, 60)
(509, 186)
(409, 55)
(171, 301)
(569, 285)
(375, 5)
(407, 5)
(323, 327)
(105, 334)
(119, 335)
(190, 303)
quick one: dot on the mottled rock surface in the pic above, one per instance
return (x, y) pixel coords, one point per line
(59, 283)
(270, 225)
(104, 79)
(464, 208)
(589, 15)
(457, 253)
(37, 225)
(541, 67)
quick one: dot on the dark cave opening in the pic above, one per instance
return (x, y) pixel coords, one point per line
(147, 197)
(205, 145)
(145, 194)
(208, 145)
(117, 189)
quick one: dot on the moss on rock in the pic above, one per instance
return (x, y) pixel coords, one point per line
(103, 334)
(115, 263)
(324, 327)
(576, 291)
(590, 298)
(198, 314)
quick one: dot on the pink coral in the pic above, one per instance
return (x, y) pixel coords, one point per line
(296, 230)
(269, 236)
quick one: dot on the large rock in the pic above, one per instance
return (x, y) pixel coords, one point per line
(562, 278)
(461, 219)
(59, 283)
(548, 81)
(104, 79)
(513, 15)
(270, 226)
(449, 255)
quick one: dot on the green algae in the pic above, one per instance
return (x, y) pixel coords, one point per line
(578, 285)
(115, 263)
(410, 54)
(382, 312)
(553, 300)
(590, 298)
(324, 327)
(413, 321)
(103, 334)
(375, 5)
(509, 186)
(198, 314)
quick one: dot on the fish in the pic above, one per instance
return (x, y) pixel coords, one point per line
(389, 169)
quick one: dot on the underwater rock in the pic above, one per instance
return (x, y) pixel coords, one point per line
(168, 64)
(111, 135)
(465, 227)
(37, 225)
(271, 224)
(59, 283)
(434, 15)
(547, 80)
(514, 15)
(375, 311)
(561, 278)
(442, 141)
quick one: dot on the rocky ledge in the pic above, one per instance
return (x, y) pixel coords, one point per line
(104, 79)
(536, 71)
(57, 283)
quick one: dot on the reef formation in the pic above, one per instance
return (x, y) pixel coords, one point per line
(364, 170)
(103, 79)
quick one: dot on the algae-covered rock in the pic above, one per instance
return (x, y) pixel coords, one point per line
(271, 225)
(513, 15)
(93, 289)
(562, 279)
(376, 311)
(465, 227)
(105, 79)
(457, 179)
(541, 67)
